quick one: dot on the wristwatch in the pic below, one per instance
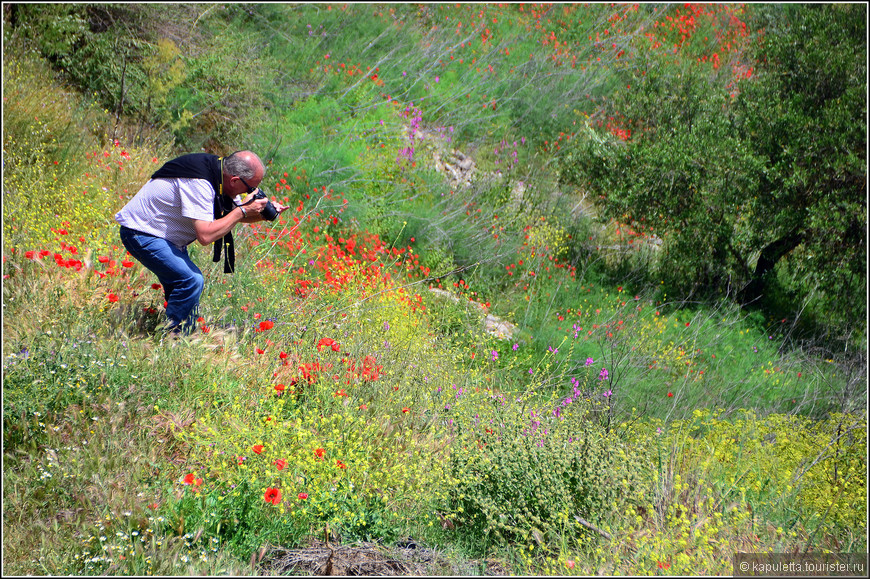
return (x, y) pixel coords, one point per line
(244, 213)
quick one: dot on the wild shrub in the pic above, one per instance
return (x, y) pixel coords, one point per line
(527, 469)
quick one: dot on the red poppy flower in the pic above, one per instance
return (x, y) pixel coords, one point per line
(272, 496)
(103, 259)
(670, 394)
(112, 297)
(280, 464)
(340, 464)
(266, 325)
(257, 448)
(259, 351)
(279, 387)
(324, 342)
(302, 496)
(127, 263)
(156, 286)
(406, 410)
(283, 355)
(190, 479)
(319, 452)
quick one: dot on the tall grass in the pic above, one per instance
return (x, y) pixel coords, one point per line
(328, 394)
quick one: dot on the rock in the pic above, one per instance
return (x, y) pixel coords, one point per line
(499, 328)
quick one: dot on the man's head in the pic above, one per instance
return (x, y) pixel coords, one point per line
(242, 172)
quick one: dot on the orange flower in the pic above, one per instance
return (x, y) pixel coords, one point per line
(279, 387)
(405, 410)
(257, 448)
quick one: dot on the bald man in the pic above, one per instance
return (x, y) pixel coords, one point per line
(195, 197)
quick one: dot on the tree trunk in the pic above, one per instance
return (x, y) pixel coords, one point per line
(769, 257)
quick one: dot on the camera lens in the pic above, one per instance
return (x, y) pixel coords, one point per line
(269, 212)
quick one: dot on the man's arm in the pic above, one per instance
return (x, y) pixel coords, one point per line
(210, 231)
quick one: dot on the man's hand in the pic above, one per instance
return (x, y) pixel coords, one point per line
(210, 231)
(255, 210)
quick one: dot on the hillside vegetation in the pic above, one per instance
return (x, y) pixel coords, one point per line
(661, 206)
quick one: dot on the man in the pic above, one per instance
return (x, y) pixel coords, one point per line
(194, 197)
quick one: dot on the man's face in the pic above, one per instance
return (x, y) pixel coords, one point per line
(237, 185)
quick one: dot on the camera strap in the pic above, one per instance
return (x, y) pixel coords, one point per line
(221, 208)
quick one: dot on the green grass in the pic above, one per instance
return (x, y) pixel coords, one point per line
(429, 428)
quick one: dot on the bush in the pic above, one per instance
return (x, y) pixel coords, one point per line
(527, 472)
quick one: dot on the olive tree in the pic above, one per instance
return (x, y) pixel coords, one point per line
(758, 185)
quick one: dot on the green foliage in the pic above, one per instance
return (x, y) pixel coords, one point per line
(805, 116)
(722, 171)
(586, 443)
(75, 39)
(682, 171)
(125, 57)
(526, 470)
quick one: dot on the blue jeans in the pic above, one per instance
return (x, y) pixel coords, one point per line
(181, 278)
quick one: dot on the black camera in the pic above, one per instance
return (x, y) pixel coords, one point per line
(269, 212)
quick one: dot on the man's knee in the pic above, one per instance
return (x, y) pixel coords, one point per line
(198, 283)
(193, 283)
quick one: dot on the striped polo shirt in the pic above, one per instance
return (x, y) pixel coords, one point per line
(167, 207)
